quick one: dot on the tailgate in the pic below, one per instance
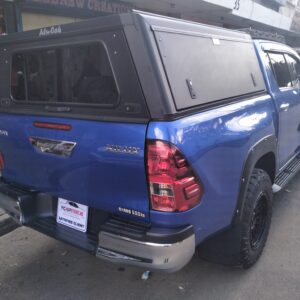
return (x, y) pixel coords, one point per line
(103, 168)
(87, 81)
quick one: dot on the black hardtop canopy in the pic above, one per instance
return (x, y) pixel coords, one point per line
(136, 18)
(181, 66)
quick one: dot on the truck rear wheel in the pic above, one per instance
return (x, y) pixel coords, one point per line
(242, 244)
(256, 218)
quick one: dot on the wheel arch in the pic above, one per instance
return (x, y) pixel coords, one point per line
(262, 156)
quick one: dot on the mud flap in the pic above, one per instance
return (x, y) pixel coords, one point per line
(222, 248)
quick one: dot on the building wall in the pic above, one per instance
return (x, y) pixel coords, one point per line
(296, 21)
(274, 13)
(261, 14)
(276, 16)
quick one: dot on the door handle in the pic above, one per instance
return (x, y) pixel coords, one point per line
(284, 106)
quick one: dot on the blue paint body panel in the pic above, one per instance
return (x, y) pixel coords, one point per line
(91, 175)
(216, 144)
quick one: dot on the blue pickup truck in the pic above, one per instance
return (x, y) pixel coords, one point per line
(142, 138)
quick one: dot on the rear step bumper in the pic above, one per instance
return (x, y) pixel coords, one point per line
(116, 241)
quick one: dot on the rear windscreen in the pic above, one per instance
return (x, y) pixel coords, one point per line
(83, 75)
(202, 69)
(79, 74)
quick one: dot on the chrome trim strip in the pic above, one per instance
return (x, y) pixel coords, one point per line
(153, 256)
(136, 241)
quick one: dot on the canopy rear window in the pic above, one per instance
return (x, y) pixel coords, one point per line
(204, 69)
(78, 74)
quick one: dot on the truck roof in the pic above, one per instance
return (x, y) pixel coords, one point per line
(121, 20)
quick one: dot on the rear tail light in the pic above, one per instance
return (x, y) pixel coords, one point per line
(1, 164)
(173, 184)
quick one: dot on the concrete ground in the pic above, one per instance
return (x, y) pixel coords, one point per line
(6, 223)
(33, 266)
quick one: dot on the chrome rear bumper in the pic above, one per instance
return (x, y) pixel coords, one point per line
(160, 256)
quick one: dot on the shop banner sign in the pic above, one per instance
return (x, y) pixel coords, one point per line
(83, 7)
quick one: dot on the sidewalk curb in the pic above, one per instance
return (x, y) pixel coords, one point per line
(7, 224)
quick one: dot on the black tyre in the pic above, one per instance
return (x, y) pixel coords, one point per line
(242, 244)
(256, 218)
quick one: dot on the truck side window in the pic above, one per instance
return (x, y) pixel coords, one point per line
(281, 70)
(294, 67)
(78, 74)
(18, 77)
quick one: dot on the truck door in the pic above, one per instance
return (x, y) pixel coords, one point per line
(286, 69)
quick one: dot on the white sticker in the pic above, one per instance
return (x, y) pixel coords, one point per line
(72, 214)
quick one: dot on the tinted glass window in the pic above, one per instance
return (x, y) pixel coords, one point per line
(267, 60)
(77, 74)
(280, 69)
(294, 67)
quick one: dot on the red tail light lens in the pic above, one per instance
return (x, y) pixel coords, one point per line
(1, 163)
(172, 182)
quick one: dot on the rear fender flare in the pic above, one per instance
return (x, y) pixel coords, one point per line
(261, 148)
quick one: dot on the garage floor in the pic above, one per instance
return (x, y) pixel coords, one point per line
(33, 266)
